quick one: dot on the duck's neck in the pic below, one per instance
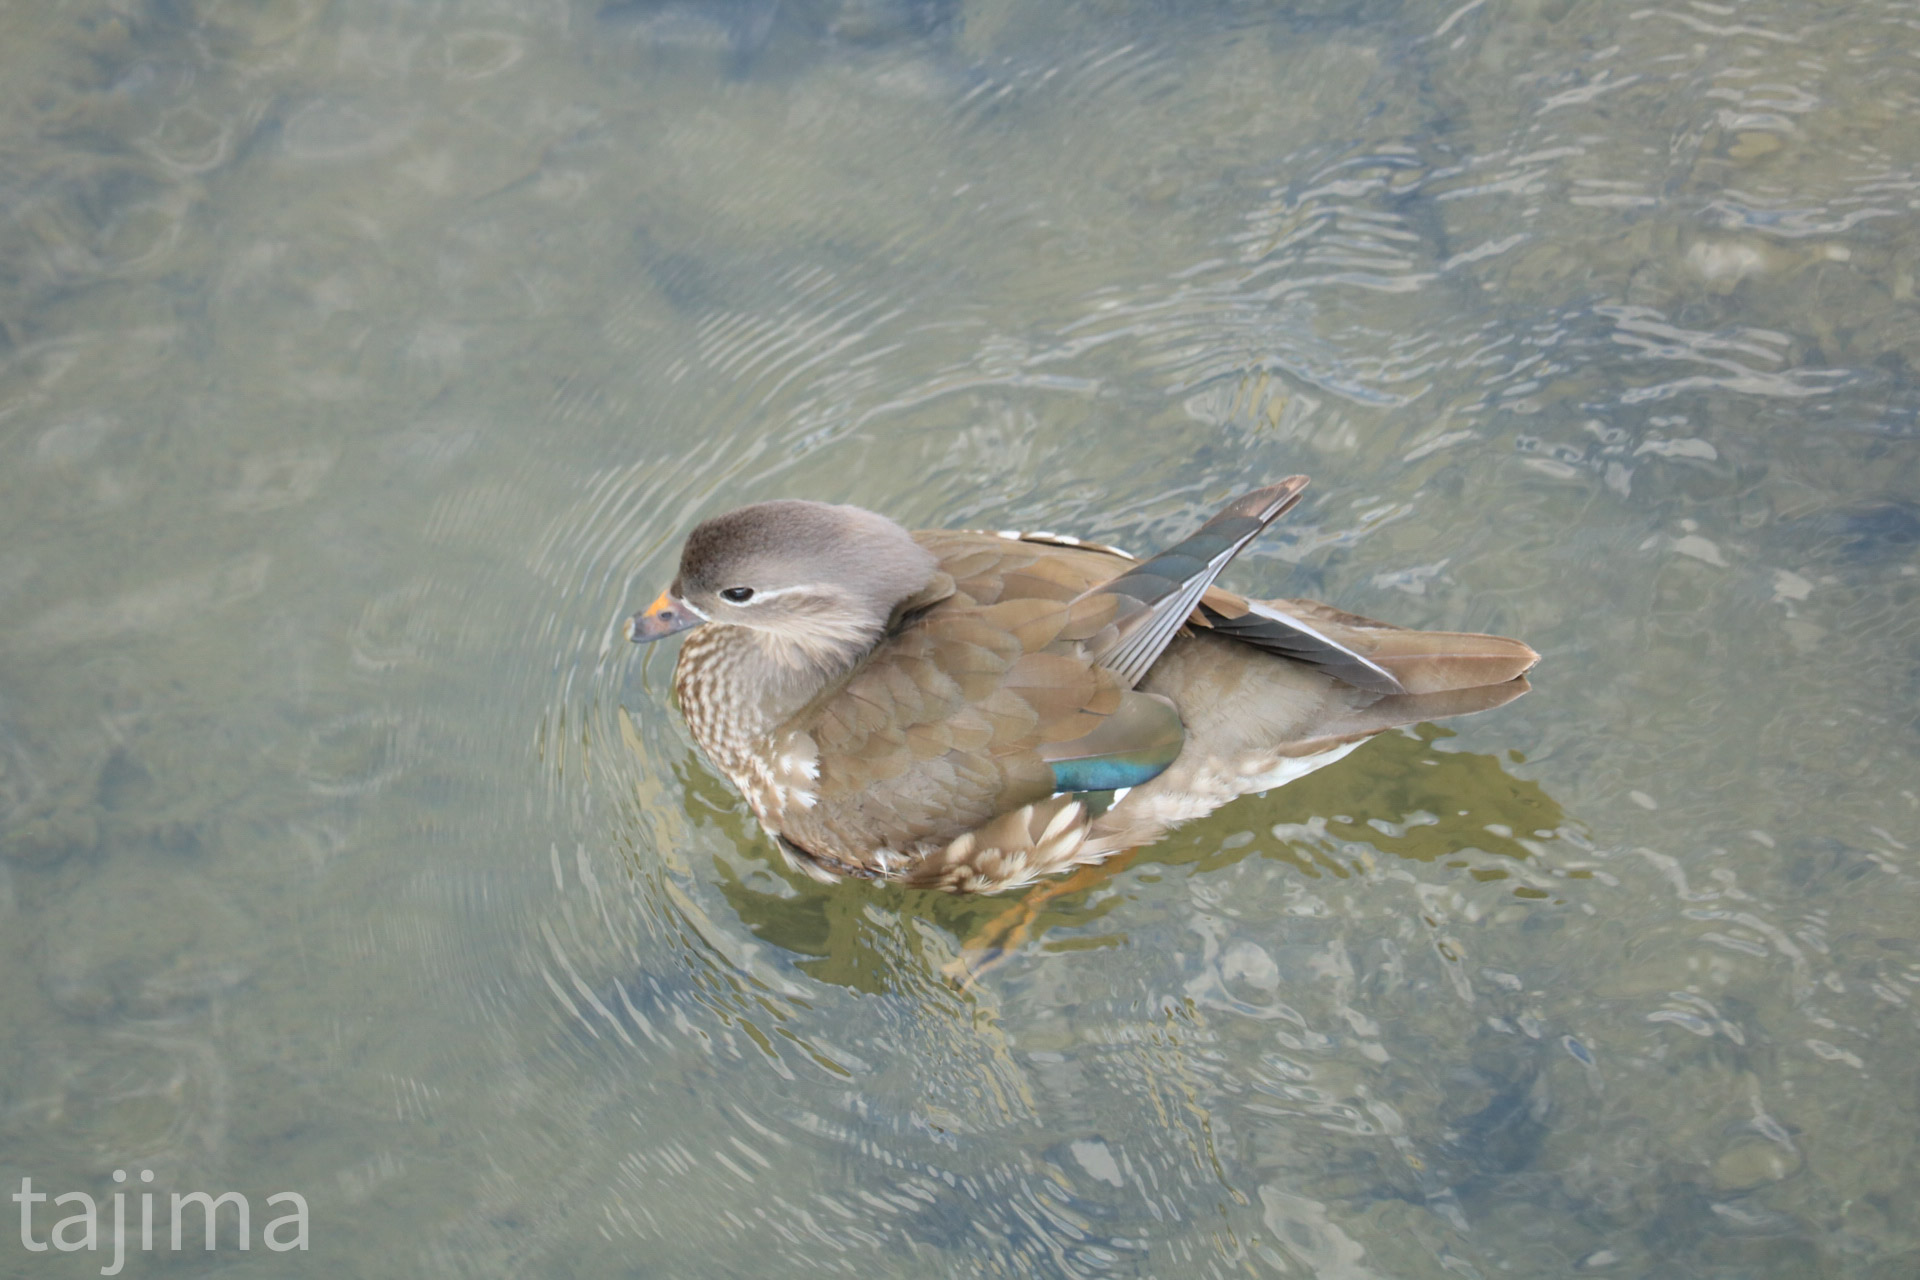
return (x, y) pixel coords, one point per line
(735, 689)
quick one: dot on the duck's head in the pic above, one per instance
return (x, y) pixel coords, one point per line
(817, 582)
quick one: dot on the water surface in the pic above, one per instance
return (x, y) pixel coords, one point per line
(361, 364)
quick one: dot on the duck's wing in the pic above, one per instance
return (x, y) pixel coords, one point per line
(987, 568)
(963, 716)
(1152, 600)
(1282, 627)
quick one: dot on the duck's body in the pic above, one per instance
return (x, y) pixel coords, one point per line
(935, 707)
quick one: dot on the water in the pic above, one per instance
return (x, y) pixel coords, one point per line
(362, 364)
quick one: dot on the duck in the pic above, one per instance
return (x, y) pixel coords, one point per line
(974, 710)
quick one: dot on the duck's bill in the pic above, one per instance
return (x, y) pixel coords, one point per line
(663, 617)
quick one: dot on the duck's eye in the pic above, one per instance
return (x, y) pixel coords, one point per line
(737, 595)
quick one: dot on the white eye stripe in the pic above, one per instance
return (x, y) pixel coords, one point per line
(776, 592)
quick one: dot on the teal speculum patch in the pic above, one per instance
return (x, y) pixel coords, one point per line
(1106, 773)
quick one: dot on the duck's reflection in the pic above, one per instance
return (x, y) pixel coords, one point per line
(1404, 796)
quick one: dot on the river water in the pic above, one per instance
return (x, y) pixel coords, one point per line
(361, 364)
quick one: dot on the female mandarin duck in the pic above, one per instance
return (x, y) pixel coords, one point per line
(935, 707)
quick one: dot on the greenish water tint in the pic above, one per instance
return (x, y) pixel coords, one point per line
(362, 364)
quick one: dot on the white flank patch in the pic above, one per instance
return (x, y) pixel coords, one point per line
(1062, 821)
(1294, 768)
(795, 763)
(795, 766)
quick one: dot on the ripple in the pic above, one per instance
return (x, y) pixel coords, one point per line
(328, 130)
(156, 1099)
(279, 479)
(188, 139)
(398, 628)
(358, 754)
(476, 55)
(150, 609)
(21, 789)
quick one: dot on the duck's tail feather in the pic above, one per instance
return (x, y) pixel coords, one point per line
(1367, 653)
(1434, 663)
(1407, 708)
